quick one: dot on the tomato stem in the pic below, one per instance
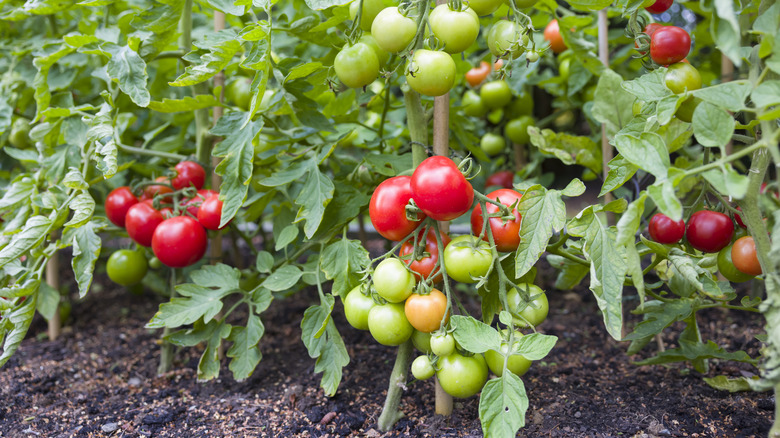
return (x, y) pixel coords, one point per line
(166, 351)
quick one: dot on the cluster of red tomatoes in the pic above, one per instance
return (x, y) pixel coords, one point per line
(176, 233)
(402, 309)
(711, 232)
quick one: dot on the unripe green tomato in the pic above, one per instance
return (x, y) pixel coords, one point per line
(371, 9)
(535, 312)
(686, 109)
(503, 39)
(239, 92)
(484, 7)
(393, 281)
(564, 69)
(492, 145)
(357, 65)
(462, 376)
(532, 56)
(589, 93)
(456, 29)
(392, 30)
(468, 257)
(442, 344)
(422, 341)
(517, 129)
(20, 133)
(431, 72)
(495, 94)
(356, 308)
(681, 77)
(126, 267)
(588, 175)
(522, 4)
(517, 364)
(422, 369)
(472, 104)
(370, 41)
(523, 105)
(388, 324)
(564, 121)
(155, 263)
(65, 309)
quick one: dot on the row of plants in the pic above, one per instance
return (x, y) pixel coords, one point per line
(275, 126)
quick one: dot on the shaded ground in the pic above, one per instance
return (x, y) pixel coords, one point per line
(99, 380)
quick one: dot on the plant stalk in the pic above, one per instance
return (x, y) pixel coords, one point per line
(53, 280)
(166, 349)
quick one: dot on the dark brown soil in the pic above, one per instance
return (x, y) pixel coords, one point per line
(99, 380)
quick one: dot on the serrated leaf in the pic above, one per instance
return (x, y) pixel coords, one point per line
(20, 320)
(33, 233)
(571, 273)
(342, 261)
(648, 152)
(535, 346)
(314, 196)
(323, 342)
(665, 198)
(75, 180)
(612, 104)
(659, 316)
(726, 32)
(620, 171)
(129, 70)
(737, 384)
(210, 62)
(83, 207)
(319, 5)
(690, 351)
(712, 126)
(208, 366)
(570, 149)
(244, 352)
(475, 336)
(543, 213)
(502, 406)
(729, 95)
(649, 87)
(21, 190)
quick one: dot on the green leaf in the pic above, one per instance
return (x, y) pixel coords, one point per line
(475, 336)
(129, 70)
(729, 95)
(535, 346)
(766, 94)
(342, 261)
(220, 47)
(725, 31)
(20, 191)
(286, 237)
(690, 351)
(201, 299)
(185, 104)
(314, 196)
(571, 273)
(33, 233)
(620, 171)
(570, 149)
(83, 206)
(303, 70)
(629, 223)
(712, 125)
(323, 342)
(48, 301)
(502, 406)
(665, 198)
(244, 352)
(319, 5)
(658, 316)
(543, 214)
(283, 278)
(612, 105)
(163, 17)
(208, 366)
(236, 151)
(648, 152)
(227, 7)
(265, 261)
(649, 87)
(41, 81)
(727, 181)
(737, 384)
(20, 320)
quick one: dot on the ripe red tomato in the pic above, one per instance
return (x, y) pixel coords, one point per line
(424, 266)
(189, 173)
(387, 208)
(193, 204)
(210, 213)
(141, 221)
(476, 75)
(425, 312)
(502, 178)
(669, 44)
(663, 229)
(552, 33)
(179, 241)
(659, 6)
(744, 256)
(440, 190)
(506, 235)
(161, 189)
(652, 27)
(117, 203)
(709, 231)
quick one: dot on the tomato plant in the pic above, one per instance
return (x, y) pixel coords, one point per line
(728, 270)
(477, 75)
(392, 30)
(492, 144)
(356, 65)
(456, 29)
(495, 94)
(534, 312)
(505, 40)
(744, 256)
(117, 203)
(659, 6)
(424, 264)
(422, 369)
(442, 344)
(426, 312)
(515, 363)
(387, 208)
(467, 258)
(430, 72)
(210, 213)
(517, 129)
(356, 307)
(393, 281)
(552, 34)
(669, 44)
(709, 231)
(141, 221)
(462, 376)
(388, 324)
(663, 229)
(440, 189)
(188, 174)
(506, 233)
(502, 178)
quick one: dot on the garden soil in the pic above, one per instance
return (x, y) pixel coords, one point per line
(99, 380)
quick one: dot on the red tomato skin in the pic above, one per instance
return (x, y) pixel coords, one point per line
(193, 204)
(440, 190)
(117, 203)
(141, 221)
(663, 229)
(476, 75)
(502, 178)
(179, 241)
(552, 33)
(709, 231)
(189, 173)
(210, 213)
(424, 267)
(387, 208)
(659, 6)
(152, 190)
(506, 235)
(738, 219)
(669, 44)
(744, 256)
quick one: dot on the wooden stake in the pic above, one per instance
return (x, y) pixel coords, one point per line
(216, 241)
